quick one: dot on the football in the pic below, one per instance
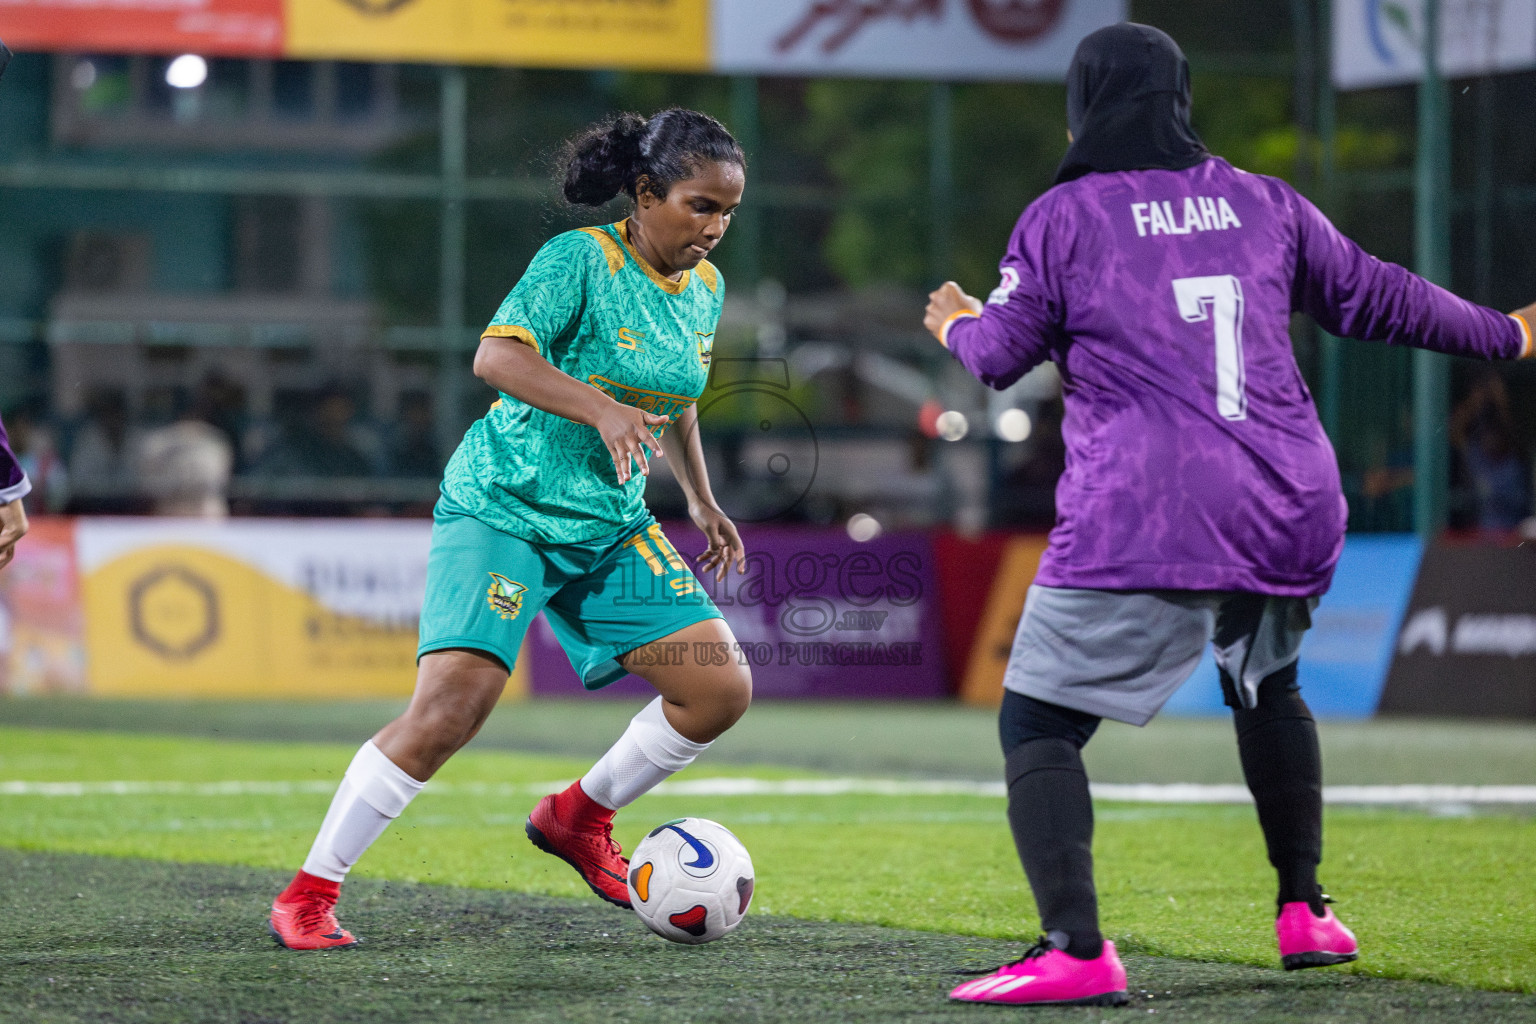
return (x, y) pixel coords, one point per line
(690, 880)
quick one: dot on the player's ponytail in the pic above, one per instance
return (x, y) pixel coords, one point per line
(613, 156)
(602, 160)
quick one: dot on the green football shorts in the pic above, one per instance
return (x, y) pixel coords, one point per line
(603, 598)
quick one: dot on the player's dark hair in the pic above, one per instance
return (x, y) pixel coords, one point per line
(613, 156)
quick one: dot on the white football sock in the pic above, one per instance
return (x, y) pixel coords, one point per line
(373, 792)
(649, 751)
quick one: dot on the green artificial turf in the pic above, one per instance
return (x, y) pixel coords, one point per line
(1441, 899)
(930, 738)
(124, 941)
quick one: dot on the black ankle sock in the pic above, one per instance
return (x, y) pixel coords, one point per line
(1277, 743)
(1051, 815)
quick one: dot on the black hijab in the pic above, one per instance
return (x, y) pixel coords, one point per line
(1128, 104)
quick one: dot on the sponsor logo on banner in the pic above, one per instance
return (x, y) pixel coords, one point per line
(1011, 39)
(1381, 42)
(1014, 21)
(1468, 648)
(174, 612)
(378, 6)
(835, 22)
(1513, 636)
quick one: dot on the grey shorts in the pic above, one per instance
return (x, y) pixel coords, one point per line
(1122, 654)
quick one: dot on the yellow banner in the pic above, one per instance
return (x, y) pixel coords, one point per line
(661, 35)
(254, 608)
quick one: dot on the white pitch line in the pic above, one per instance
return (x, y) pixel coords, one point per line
(1141, 793)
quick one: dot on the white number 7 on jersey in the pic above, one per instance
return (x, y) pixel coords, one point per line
(1220, 299)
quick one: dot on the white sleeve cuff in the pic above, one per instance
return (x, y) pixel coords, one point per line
(15, 491)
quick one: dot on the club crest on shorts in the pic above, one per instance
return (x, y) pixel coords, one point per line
(505, 596)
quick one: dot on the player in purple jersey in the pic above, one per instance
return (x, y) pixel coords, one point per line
(13, 487)
(13, 481)
(1201, 498)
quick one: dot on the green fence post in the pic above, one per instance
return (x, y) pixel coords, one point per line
(453, 114)
(1432, 231)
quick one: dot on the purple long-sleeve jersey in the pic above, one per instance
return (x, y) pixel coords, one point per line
(13, 481)
(1195, 458)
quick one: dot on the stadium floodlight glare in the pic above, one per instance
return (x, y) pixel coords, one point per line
(186, 72)
(862, 527)
(1014, 425)
(83, 75)
(952, 425)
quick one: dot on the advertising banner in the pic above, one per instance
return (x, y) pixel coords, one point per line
(1346, 653)
(943, 39)
(816, 616)
(1468, 644)
(42, 643)
(1344, 658)
(1381, 42)
(234, 28)
(648, 34)
(983, 680)
(252, 608)
(946, 39)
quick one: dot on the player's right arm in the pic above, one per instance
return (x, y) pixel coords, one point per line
(515, 368)
(519, 352)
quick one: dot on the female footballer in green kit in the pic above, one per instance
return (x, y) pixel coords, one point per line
(599, 354)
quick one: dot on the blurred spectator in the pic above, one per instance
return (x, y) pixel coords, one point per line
(413, 448)
(220, 402)
(1494, 468)
(37, 451)
(1027, 493)
(1382, 497)
(327, 442)
(184, 466)
(101, 455)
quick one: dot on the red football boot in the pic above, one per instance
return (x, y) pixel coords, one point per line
(579, 830)
(303, 915)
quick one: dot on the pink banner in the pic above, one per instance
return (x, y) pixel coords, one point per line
(42, 644)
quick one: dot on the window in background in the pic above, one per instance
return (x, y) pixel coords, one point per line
(293, 90)
(269, 242)
(356, 85)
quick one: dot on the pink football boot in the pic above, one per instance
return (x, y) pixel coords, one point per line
(1046, 975)
(1307, 940)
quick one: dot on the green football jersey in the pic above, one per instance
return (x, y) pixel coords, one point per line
(590, 305)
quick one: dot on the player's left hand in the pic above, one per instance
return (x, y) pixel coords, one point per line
(944, 302)
(725, 546)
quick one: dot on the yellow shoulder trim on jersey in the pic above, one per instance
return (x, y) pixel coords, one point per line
(1528, 349)
(611, 250)
(521, 334)
(665, 284)
(949, 322)
(708, 274)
